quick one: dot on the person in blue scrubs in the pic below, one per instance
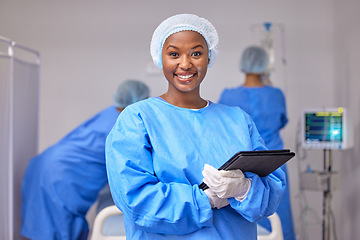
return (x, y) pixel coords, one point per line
(61, 183)
(160, 150)
(266, 106)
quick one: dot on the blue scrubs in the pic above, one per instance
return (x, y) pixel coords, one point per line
(266, 106)
(154, 157)
(62, 183)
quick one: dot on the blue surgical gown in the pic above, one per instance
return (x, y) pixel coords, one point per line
(154, 158)
(266, 106)
(62, 182)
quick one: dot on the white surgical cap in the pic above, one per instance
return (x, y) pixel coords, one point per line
(130, 92)
(254, 60)
(183, 22)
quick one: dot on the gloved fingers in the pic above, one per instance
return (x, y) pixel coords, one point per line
(237, 173)
(225, 184)
(209, 167)
(211, 171)
(212, 175)
(220, 188)
(211, 181)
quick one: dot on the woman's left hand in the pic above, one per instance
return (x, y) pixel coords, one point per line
(226, 184)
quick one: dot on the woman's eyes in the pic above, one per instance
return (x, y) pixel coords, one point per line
(173, 54)
(194, 54)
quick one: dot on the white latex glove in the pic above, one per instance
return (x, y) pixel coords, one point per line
(215, 201)
(226, 184)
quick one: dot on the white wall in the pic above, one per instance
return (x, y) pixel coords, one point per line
(347, 85)
(89, 47)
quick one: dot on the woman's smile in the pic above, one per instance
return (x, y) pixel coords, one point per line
(185, 77)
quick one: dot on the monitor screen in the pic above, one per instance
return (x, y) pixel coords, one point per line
(324, 128)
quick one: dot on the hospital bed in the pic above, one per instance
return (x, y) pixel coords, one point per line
(111, 214)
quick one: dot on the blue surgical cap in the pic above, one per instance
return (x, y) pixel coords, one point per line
(254, 60)
(183, 22)
(130, 92)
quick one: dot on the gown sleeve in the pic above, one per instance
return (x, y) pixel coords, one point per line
(153, 206)
(265, 192)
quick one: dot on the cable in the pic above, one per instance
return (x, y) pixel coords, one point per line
(333, 224)
(306, 211)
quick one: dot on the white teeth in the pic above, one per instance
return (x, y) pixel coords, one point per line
(186, 77)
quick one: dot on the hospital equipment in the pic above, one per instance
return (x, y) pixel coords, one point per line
(271, 37)
(266, 34)
(19, 109)
(325, 129)
(276, 229)
(99, 222)
(268, 43)
(116, 214)
(325, 181)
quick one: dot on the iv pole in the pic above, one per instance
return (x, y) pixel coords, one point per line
(265, 34)
(327, 195)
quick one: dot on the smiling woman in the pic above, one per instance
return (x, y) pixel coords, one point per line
(156, 152)
(185, 60)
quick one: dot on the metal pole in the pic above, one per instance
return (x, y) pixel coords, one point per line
(324, 204)
(327, 195)
(11, 194)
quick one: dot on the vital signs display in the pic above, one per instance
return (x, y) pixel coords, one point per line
(326, 129)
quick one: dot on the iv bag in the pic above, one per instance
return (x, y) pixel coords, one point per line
(271, 37)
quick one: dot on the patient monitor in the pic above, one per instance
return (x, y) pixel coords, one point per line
(326, 128)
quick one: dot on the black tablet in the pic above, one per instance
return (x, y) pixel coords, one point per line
(260, 162)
